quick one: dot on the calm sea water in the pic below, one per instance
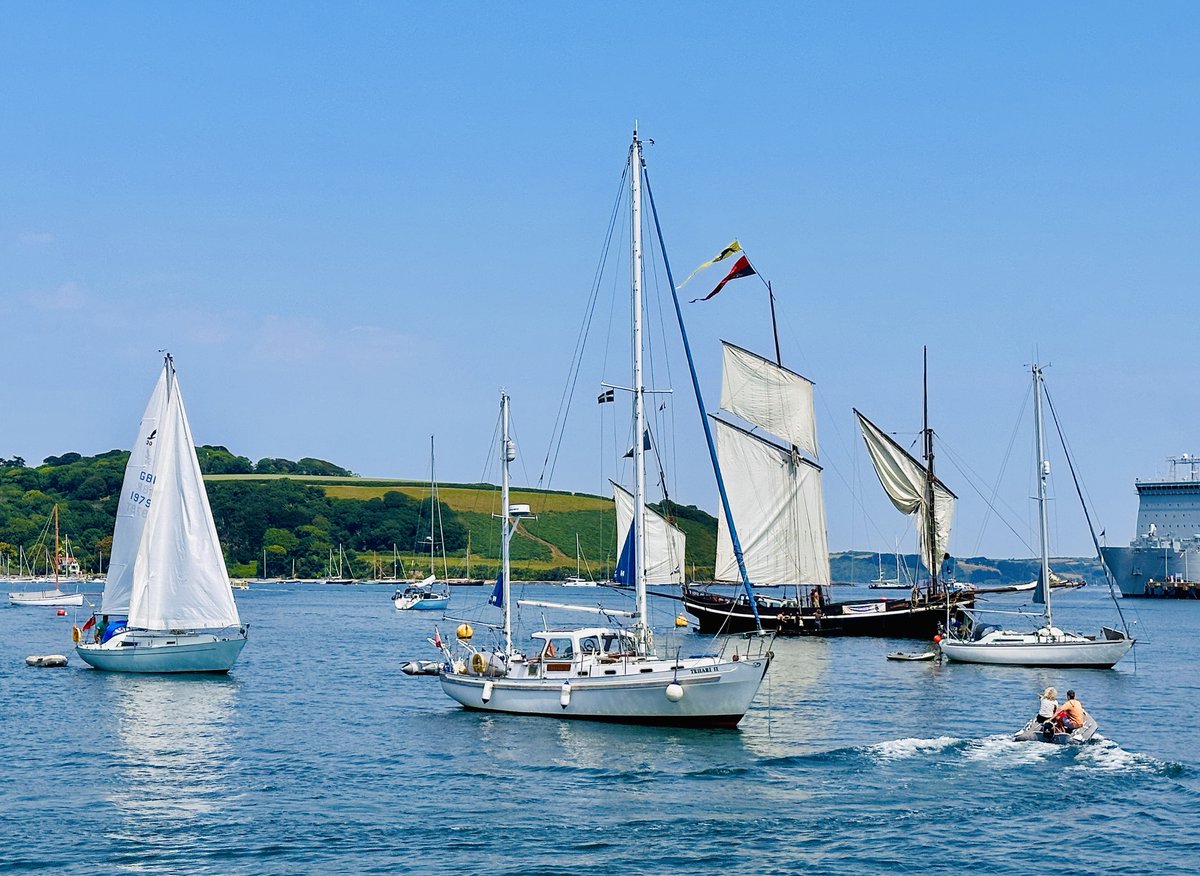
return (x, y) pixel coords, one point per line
(316, 755)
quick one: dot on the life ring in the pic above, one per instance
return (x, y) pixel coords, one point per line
(76, 635)
(478, 663)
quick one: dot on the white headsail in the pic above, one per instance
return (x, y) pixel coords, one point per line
(665, 542)
(904, 480)
(777, 503)
(179, 576)
(769, 396)
(137, 490)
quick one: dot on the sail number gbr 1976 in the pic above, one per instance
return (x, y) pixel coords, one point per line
(138, 498)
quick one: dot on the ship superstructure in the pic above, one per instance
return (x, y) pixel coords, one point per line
(1164, 557)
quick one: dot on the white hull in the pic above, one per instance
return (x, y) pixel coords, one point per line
(1078, 652)
(46, 597)
(408, 604)
(141, 651)
(715, 693)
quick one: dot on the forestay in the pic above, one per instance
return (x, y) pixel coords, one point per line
(769, 396)
(904, 480)
(179, 579)
(776, 499)
(665, 542)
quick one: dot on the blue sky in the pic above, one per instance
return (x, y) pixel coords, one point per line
(352, 223)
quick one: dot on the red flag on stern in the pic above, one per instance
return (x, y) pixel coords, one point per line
(741, 268)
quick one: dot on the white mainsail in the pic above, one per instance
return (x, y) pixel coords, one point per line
(665, 542)
(179, 579)
(776, 500)
(904, 480)
(769, 396)
(136, 492)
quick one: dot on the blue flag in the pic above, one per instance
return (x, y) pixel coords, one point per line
(497, 597)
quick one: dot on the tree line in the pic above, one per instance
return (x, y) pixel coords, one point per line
(288, 519)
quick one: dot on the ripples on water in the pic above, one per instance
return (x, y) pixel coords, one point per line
(317, 756)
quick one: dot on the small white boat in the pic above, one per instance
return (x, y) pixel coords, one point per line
(54, 596)
(576, 581)
(905, 655)
(46, 597)
(1036, 731)
(421, 597)
(47, 660)
(167, 605)
(422, 667)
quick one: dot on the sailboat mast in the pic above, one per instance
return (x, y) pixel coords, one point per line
(432, 504)
(56, 547)
(507, 454)
(1043, 473)
(639, 412)
(930, 515)
(774, 325)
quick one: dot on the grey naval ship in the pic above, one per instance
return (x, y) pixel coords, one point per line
(1163, 560)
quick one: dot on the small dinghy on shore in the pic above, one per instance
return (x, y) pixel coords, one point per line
(905, 655)
(1036, 731)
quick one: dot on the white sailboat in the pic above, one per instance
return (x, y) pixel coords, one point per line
(598, 673)
(1047, 645)
(577, 580)
(603, 673)
(427, 595)
(167, 604)
(55, 596)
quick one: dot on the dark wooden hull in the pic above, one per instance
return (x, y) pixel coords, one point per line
(892, 618)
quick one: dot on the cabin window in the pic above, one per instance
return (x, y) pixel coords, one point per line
(589, 645)
(616, 644)
(559, 649)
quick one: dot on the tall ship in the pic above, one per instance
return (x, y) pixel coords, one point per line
(1163, 560)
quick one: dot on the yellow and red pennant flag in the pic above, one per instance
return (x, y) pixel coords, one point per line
(741, 268)
(724, 254)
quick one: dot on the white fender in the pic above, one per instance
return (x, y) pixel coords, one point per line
(564, 698)
(674, 691)
(487, 690)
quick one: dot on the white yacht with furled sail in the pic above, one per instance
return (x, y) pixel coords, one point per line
(167, 603)
(1046, 645)
(608, 673)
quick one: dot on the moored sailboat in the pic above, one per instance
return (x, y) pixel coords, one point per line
(604, 673)
(55, 596)
(167, 604)
(1047, 645)
(426, 596)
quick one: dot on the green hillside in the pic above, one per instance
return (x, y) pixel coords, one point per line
(299, 512)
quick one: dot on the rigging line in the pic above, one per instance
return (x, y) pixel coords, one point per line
(1087, 516)
(660, 421)
(712, 450)
(564, 403)
(970, 476)
(1004, 467)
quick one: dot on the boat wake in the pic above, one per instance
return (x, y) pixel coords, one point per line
(1101, 755)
